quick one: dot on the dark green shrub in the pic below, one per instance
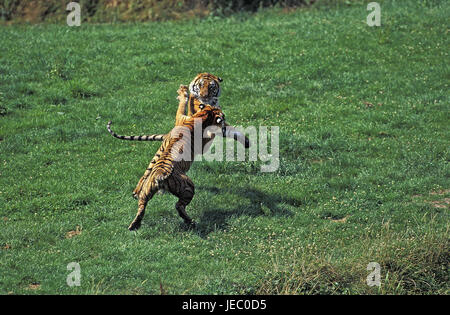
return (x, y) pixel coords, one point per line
(127, 10)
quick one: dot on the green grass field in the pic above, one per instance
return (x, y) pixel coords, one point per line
(363, 114)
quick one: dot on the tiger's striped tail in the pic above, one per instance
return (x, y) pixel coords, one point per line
(134, 138)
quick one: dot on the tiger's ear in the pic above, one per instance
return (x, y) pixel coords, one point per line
(219, 79)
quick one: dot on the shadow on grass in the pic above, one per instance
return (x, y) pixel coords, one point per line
(261, 204)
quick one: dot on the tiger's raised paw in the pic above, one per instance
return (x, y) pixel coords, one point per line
(183, 92)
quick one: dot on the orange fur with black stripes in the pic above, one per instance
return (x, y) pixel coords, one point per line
(168, 168)
(135, 138)
(203, 89)
(193, 104)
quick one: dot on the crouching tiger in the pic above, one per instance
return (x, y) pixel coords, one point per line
(168, 168)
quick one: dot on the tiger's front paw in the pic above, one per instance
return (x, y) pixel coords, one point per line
(183, 92)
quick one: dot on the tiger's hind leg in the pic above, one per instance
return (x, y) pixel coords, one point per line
(137, 190)
(182, 187)
(148, 191)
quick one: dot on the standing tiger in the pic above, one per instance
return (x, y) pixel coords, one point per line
(204, 89)
(168, 168)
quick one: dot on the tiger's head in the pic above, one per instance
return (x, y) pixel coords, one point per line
(211, 116)
(206, 88)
